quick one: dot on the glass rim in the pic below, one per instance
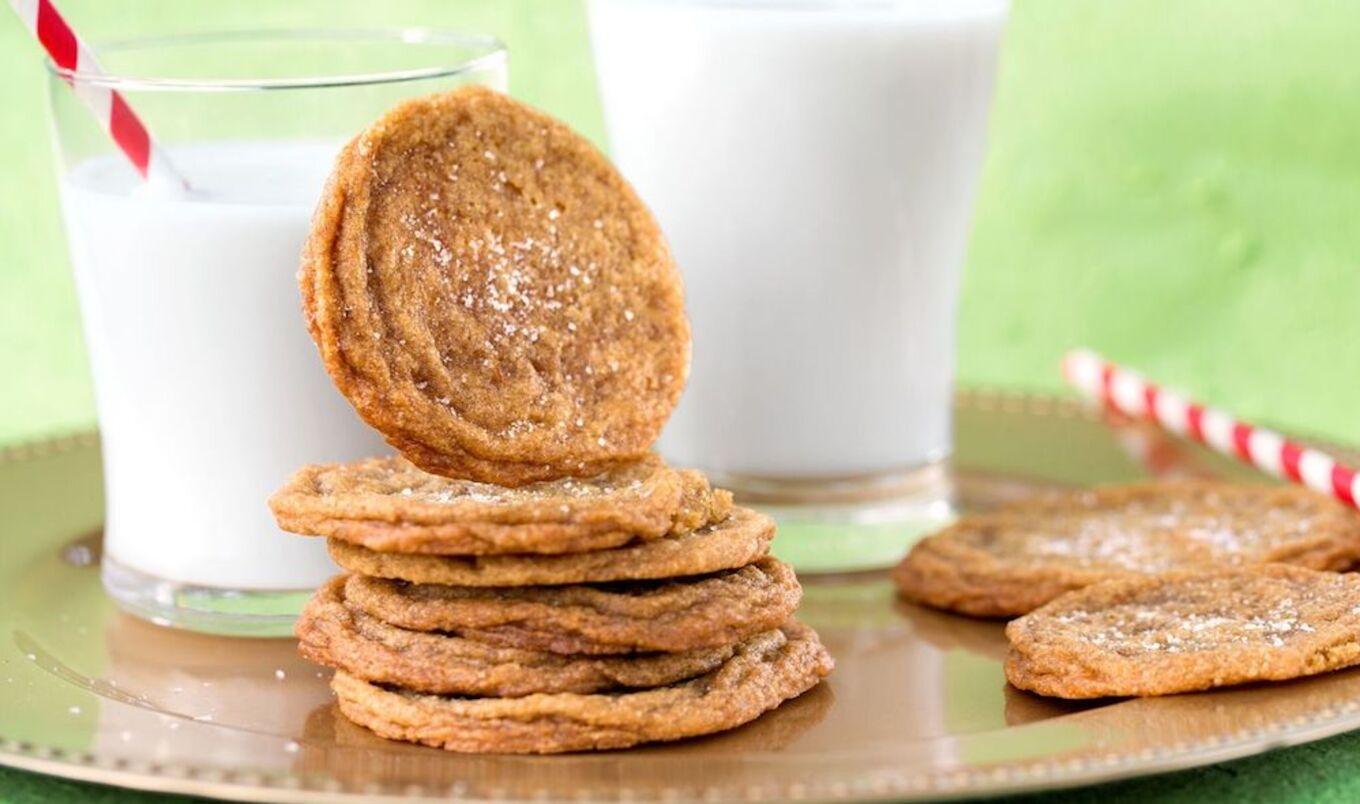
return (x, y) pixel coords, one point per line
(491, 52)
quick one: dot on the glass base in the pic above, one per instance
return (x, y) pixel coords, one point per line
(206, 609)
(849, 524)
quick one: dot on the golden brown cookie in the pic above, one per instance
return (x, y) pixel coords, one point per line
(387, 504)
(626, 617)
(763, 673)
(736, 541)
(492, 296)
(1181, 632)
(335, 635)
(700, 503)
(1020, 557)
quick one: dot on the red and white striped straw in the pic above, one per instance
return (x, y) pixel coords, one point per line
(68, 52)
(1133, 395)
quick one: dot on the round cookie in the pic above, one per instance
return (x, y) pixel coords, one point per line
(627, 617)
(491, 295)
(763, 673)
(1184, 632)
(1020, 557)
(338, 636)
(388, 504)
(734, 542)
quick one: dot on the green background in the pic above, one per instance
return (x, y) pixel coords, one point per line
(1174, 182)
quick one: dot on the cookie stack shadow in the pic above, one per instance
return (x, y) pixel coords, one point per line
(636, 606)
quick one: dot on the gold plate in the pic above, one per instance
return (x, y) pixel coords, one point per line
(917, 707)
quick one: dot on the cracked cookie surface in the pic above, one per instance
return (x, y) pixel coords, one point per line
(1018, 558)
(341, 637)
(491, 295)
(389, 505)
(1187, 631)
(737, 540)
(761, 674)
(625, 617)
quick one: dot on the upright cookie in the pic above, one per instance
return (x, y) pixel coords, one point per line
(1187, 631)
(763, 673)
(388, 504)
(1026, 554)
(339, 636)
(492, 296)
(736, 541)
(674, 615)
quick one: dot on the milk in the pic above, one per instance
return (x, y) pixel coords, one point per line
(209, 391)
(813, 165)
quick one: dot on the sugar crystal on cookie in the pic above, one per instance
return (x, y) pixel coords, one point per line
(1021, 556)
(478, 275)
(1185, 631)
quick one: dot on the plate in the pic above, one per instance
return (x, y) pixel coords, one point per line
(917, 708)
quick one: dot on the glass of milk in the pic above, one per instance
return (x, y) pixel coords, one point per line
(813, 164)
(208, 389)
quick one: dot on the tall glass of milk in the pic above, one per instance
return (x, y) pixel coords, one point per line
(813, 164)
(208, 390)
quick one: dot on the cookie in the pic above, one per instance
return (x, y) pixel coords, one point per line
(763, 673)
(1184, 632)
(367, 755)
(1020, 557)
(335, 635)
(626, 617)
(700, 503)
(491, 295)
(734, 542)
(388, 504)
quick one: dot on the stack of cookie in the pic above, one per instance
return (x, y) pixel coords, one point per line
(667, 601)
(526, 577)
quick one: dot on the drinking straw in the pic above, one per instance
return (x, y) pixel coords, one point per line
(70, 54)
(1130, 393)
